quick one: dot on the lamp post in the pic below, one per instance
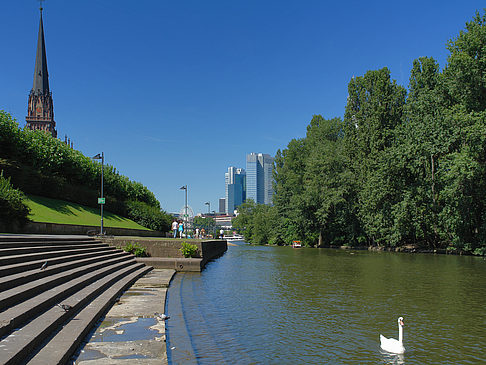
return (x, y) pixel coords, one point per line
(209, 206)
(101, 200)
(185, 209)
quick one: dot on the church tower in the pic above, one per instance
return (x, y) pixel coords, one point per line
(40, 111)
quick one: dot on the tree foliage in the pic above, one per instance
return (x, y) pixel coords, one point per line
(58, 171)
(400, 168)
(12, 208)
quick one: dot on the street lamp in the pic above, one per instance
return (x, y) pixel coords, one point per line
(185, 209)
(209, 206)
(101, 201)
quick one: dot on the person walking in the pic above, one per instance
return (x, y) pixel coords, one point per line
(174, 227)
(181, 229)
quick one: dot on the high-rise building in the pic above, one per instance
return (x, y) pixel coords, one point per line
(222, 205)
(235, 188)
(259, 178)
(40, 110)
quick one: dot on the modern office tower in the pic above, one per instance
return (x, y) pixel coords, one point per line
(222, 205)
(235, 189)
(259, 178)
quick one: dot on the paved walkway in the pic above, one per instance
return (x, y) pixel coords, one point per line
(131, 333)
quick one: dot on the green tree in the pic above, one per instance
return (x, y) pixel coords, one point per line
(373, 113)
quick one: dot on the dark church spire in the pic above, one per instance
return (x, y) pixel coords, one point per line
(41, 81)
(40, 110)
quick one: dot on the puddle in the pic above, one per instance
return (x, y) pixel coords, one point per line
(89, 355)
(136, 330)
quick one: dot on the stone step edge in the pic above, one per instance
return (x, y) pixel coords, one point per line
(33, 238)
(20, 267)
(19, 314)
(14, 251)
(20, 278)
(28, 290)
(35, 332)
(13, 259)
(64, 344)
(10, 244)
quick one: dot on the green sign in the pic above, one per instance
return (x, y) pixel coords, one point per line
(186, 215)
(101, 200)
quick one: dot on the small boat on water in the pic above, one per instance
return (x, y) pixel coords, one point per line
(234, 237)
(296, 244)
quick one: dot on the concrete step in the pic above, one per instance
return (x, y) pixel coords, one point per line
(37, 238)
(37, 264)
(22, 342)
(63, 345)
(14, 259)
(14, 280)
(23, 292)
(44, 248)
(18, 244)
(18, 314)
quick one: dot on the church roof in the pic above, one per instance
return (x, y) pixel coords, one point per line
(41, 81)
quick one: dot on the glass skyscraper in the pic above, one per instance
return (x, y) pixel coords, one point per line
(235, 189)
(259, 178)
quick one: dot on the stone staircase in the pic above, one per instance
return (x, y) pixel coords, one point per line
(52, 292)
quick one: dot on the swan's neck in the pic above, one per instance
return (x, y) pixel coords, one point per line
(400, 333)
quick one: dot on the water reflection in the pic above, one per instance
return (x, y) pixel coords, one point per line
(392, 359)
(279, 305)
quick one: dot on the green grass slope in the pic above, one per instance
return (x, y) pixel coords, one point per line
(58, 211)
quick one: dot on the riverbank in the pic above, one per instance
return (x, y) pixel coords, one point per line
(132, 331)
(406, 249)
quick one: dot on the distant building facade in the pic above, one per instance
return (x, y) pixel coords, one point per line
(40, 110)
(259, 178)
(235, 188)
(222, 205)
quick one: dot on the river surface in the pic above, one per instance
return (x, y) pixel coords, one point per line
(278, 305)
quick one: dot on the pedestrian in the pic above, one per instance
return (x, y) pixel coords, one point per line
(174, 227)
(197, 232)
(203, 233)
(181, 229)
(221, 233)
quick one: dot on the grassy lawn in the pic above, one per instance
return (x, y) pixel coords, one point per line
(59, 211)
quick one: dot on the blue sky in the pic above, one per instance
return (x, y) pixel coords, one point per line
(175, 92)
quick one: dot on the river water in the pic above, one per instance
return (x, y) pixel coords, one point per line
(278, 305)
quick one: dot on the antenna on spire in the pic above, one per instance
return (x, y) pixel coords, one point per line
(40, 2)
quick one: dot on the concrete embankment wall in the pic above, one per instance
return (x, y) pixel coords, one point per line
(73, 229)
(165, 254)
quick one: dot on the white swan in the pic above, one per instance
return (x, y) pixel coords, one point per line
(392, 345)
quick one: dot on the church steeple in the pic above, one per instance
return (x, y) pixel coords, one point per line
(40, 111)
(41, 81)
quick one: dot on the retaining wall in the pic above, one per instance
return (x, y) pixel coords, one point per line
(55, 228)
(165, 254)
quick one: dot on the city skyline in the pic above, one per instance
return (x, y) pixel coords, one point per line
(159, 87)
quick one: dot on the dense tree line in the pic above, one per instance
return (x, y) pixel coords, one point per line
(402, 167)
(41, 165)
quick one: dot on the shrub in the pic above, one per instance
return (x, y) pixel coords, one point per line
(136, 250)
(188, 250)
(54, 160)
(12, 207)
(148, 216)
